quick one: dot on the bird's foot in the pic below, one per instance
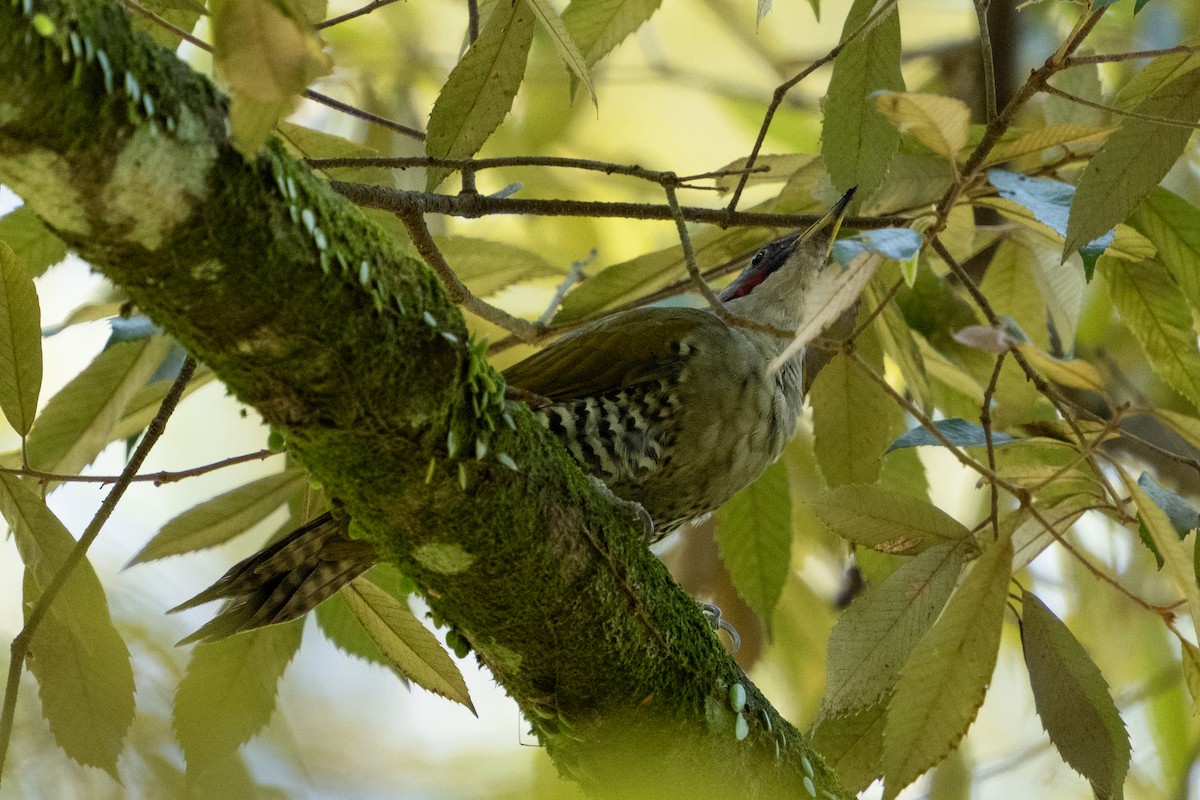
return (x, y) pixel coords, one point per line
(635, 510)
(713, 614)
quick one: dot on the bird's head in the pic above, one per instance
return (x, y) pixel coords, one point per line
(771, 288)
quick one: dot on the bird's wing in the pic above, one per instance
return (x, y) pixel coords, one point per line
(619, 351)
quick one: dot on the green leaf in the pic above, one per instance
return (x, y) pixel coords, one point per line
(408, 644)
(1153, 77)
(82, 666)
(1173, 225)
(940, 123)
(80, 420)
(853, 421)
(1180, 512)
(20, 343)
(858, 141)
(597, 26)
(568, 51)
(1177, 555)
(1133, 160)
(480, 89)
(754, 534)
(218, 520)
(1072, 700)
(958, 432)
(887, 520)
(1191, 672)
(37, 247)
(486, 267)
(873, 638)
(228, 692)
(852, 745)
(1052, 204)
(339, 625)
(944, 682)
(1157, 315)
(183, 14)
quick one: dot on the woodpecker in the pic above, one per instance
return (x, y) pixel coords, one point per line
(671, 409)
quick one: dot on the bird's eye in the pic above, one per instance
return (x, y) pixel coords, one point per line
(758, 258)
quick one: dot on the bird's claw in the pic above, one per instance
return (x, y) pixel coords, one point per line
(713, 614)
(635, 510)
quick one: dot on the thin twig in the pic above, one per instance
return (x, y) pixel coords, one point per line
(478, 205)
(349, 15)
(367, 116)
(1166, 121)
(19, 649)
(985, 421)
(1108, 58)
(472, 21)
(418, 231)
(157, 478)
(574, 275)
(989, 64)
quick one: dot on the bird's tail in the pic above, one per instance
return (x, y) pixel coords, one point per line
(286, 580)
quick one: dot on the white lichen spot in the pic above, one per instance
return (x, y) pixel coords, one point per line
(444, 559)
(156, 184)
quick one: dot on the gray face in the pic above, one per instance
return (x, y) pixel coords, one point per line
(763, 264)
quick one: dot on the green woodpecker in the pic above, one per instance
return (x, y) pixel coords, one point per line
(671, 408)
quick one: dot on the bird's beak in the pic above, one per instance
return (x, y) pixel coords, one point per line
(831, 223)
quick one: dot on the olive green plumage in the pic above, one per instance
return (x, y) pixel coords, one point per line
(672, 408)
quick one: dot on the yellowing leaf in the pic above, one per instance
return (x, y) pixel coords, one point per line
(1072, 700)
(1157, 315)
(82, 666)
(1039, 139)
(80, 420)
(408, 644)
(20, 343)
(944, 682)
(1133, 161)
(227, 693)
(858, 142)
(940, 123)
(552, 23)
(754, 534)
(218, 520)
(874, 637)
(268, 53)
(1075, 373)
(887, 520)
(480, 89)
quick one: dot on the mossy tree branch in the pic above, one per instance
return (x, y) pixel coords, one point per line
(354, 353)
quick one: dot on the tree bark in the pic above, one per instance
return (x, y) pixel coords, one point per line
(351, 350)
